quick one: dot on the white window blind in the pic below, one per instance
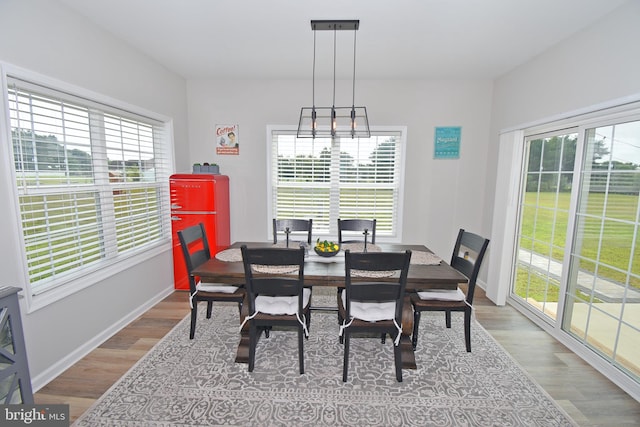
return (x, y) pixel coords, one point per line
(91, 182)
(326, 179)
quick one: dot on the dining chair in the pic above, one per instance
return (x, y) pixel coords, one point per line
(276, 294)
(195, 249)
(355, 233)
(468, 253)
(356, 225)
(373, 298)
(293, 225)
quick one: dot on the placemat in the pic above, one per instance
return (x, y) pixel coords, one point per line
(293, 244)
(425, 258)
(274, 269)
(235, 255)
(230, 255)
(417, 258)
(372, 274)
(359, 247)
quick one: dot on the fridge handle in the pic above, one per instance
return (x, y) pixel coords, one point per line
(176, 218)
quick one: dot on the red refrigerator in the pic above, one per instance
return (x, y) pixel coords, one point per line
(195, 199)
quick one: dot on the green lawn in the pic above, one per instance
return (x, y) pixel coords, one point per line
(544, 230)
(63, 231)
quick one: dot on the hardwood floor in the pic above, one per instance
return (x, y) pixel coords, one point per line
(589, 397)
(584, 393)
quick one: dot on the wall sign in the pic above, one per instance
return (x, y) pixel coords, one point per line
(446, 142)
(227, 140)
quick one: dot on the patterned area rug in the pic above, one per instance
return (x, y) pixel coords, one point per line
(196, 382)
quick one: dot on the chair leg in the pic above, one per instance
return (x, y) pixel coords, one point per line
(340, 319)
(194, 316)
(447, 318)
(414, 334)
(209, 309)
(467, 328)
(253, 338)
(301, 349)
(397, 358)
(345, 365)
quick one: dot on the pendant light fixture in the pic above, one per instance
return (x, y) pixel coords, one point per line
(331, 122)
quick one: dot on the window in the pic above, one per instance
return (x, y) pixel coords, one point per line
(325, 179)
(90, 180)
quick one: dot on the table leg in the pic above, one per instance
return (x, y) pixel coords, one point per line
(408, 357)
(242, 355)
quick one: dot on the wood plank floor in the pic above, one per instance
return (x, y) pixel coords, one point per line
(589, 397)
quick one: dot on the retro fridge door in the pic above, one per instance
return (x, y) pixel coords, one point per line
(192, 193)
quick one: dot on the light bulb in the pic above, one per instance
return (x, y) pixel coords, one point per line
(334, 123)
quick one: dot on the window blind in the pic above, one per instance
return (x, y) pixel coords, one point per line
(91, 182)
(326, 179)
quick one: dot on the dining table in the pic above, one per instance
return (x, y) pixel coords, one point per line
(426, 272)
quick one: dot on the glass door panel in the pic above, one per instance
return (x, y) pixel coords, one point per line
(602, 305)
(544, 216)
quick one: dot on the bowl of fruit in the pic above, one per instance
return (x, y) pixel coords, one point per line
(326, 248)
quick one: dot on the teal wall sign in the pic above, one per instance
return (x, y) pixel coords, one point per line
(447, 142)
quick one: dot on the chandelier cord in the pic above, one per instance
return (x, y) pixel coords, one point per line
(334, 65)
(313, 85)
(353, 85)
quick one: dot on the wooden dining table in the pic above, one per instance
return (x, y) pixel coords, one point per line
(331, 273)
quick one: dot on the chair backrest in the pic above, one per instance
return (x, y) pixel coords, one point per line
(273, 272)
(293, 225)
(195, 249)
(467, 257)
(357, 225)
(365, 289)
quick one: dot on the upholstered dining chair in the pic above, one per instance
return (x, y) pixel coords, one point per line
(294, 225)
(276, 294)
(468, 253)
(371, 304)
(195, 249)
(356, 225)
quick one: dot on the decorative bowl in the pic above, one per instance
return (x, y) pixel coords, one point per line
(327, 253)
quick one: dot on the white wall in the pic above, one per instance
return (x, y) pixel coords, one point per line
(593, 67)
(441, 195)
(43, 36)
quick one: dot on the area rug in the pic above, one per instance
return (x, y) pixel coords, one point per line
(196, 382)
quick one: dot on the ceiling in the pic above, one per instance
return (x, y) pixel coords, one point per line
(397, 39)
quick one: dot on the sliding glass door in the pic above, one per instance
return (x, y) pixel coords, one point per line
(578, 254)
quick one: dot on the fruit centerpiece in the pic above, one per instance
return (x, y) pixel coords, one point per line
(326, 248)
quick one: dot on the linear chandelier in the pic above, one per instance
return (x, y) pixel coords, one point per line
(324, 122)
